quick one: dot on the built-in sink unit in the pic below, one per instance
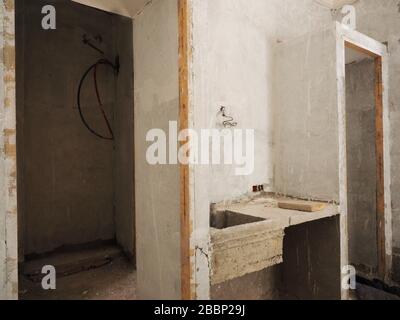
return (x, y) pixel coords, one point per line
(227, 219)
(242, 244)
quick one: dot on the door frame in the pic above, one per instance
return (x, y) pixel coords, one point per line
(348, 38)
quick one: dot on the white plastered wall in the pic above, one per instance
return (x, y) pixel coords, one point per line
(231, 62)
(128, 8)
(306, 121)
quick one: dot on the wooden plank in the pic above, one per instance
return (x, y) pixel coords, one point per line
(298, 205)
(380, 180)
(186, 267)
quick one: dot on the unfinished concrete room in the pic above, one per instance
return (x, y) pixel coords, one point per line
(94, 77)
(200, 150)
(75, 151)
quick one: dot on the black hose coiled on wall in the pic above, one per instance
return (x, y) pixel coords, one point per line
(93, 67)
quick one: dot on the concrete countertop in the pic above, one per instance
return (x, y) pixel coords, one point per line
(277, 218)
(250, 247)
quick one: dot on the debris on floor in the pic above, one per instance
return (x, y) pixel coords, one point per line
(114, 281)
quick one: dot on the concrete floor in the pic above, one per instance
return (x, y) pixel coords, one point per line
(369, 293)
(114, 281)
(117, 281)
(102, 272)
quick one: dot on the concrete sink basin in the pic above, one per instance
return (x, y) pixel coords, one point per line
(242, 244)
(227, 219)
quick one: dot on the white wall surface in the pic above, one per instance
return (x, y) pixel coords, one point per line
(306, 122)
(127, 8)
(233, 63)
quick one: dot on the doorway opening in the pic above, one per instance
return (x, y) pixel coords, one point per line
(365, 162)
(75, 142)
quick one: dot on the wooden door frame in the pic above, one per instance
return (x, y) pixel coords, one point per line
(347, 38)
(379, 149)
(187, 263)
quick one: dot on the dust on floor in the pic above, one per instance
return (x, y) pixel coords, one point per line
(114, 281)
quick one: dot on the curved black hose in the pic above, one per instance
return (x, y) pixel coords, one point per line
(104, 62)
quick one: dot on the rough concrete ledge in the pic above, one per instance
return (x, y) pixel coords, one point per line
(239, 250)
(244, 250)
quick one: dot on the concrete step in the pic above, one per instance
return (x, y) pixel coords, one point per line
(71, 262)
(365, 292)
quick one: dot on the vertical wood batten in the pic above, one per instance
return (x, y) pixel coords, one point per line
(380, 182)
(186, 225)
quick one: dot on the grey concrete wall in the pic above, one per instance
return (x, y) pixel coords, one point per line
(233, 64)
(381, 20)
(68, 174)
(263, 285)
(312, 266)
(124, 178)
(157, 187)
(306, 118)
(239, 30)
(361, 165)
(233, 60)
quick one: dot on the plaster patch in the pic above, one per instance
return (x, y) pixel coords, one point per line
(9, 5)
(9, 57)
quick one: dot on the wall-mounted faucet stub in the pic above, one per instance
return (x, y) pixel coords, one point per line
(229, 121)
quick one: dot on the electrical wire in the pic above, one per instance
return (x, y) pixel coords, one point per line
(94, 67)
